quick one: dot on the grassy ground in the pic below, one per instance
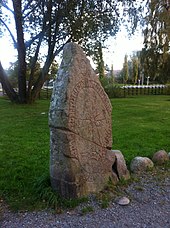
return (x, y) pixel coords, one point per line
(24, 151)
(141, 126)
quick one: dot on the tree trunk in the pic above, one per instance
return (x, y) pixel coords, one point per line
(38, 85)
(21, 51)
(7, 86)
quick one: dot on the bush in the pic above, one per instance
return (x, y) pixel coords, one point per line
(167, 90)
(105, 81)
(114, 91)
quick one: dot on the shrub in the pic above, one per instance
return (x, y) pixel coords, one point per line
(114, 91)
(167, 90)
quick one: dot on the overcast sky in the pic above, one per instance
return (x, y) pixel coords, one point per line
(120, 46)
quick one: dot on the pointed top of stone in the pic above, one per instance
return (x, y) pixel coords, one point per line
(73, 49)
(70, 51)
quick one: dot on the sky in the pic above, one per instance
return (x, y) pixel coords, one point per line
(7, 53)
(120, 46)
(114, 54)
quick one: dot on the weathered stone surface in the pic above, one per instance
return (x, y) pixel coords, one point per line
(119, 166)
(139, 164)
(160, 157)
(80, 128)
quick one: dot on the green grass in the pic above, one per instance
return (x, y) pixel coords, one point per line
(86, 210)
(141, 126)
(24, 151)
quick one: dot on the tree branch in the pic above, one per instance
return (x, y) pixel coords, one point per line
(26, 7)
(40, 81)
(7, 7)
(12, 36)
(34, 63)
(28, 43)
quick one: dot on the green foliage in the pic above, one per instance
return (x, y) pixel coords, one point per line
(44, 191)
(104, 197)
(125, 69)
(37, 71)
(53, 70)
(167, 90)
(157, 32)
(114, 91)
(105, 203)
(135, 69)
(112, 74)
(87, 209)
(98, 59)
(156, 65)
(105, 81)
(155, 55)
(12, 72)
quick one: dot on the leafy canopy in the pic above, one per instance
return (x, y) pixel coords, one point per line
(156, 54)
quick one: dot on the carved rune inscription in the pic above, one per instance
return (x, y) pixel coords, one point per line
(89, 120)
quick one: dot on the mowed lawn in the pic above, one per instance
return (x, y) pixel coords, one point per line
(141, 126)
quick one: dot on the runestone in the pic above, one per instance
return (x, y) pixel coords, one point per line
(81, 160)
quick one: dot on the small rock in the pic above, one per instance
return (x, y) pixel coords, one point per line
(169, 155)
(123, 201)
(120, 165)
(160, 157)
(140, 164)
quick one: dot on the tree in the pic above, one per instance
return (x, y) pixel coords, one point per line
(125, 69)
(130, 70)
(98, 59)
(49, 25)
(53, 70)
(155, 55)
(112, 74)
(135, 63)
(157, 31)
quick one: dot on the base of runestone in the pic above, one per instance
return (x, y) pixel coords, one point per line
(76, 173)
